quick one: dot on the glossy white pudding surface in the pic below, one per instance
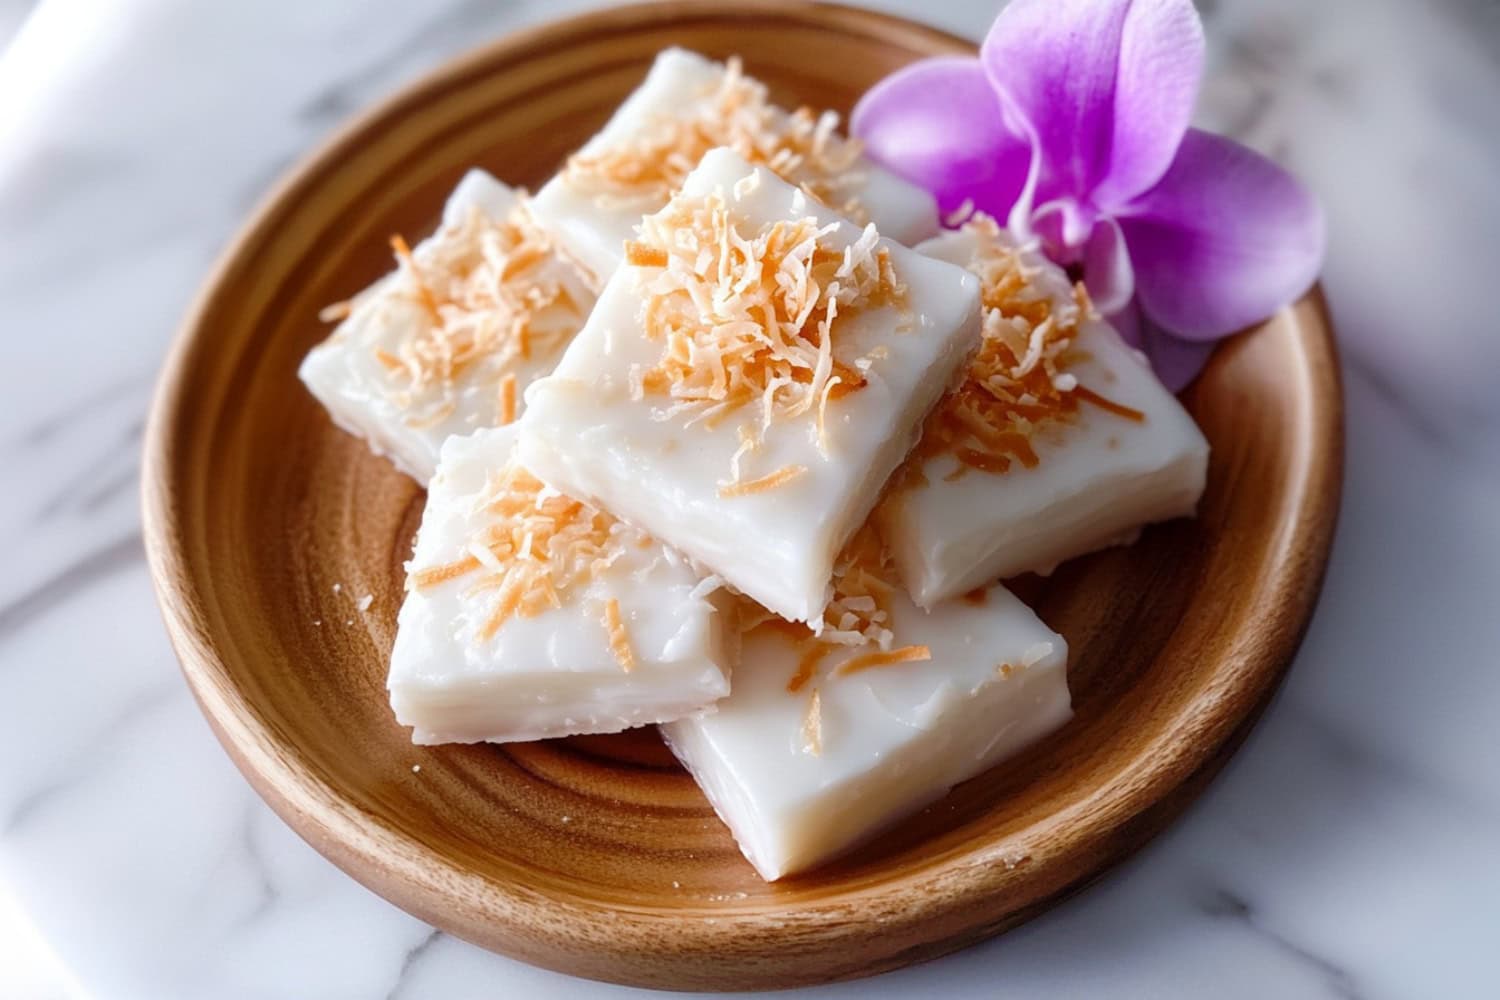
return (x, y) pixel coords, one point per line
(1348, 848)
(593, 226)
(1100, 476)
(376, 400)
(586, 433)
(798, 784)
(553, 674)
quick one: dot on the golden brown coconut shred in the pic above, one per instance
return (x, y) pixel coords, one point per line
(1017, 383)
(751, 316)
(486, 305)
(804, 148)
(854, 634)
(537, 546)
(857, 617)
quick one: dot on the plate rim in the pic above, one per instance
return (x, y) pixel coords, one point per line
(417, 880)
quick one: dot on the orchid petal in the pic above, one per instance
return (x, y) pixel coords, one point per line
(1224, 240)
(1161, 66)
(1107, 272)
(1127, 322)
(939, 124)
(1176, 361)
(1104, 91)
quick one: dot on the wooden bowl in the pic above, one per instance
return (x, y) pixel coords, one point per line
(598, 856)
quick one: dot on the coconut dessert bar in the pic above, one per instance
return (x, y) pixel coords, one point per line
(827, 739)
(748, 382)
(687, 106)
(1059, 441)
(530, 615)
(447, 343)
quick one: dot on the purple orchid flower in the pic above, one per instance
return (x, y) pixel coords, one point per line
(1072, 125)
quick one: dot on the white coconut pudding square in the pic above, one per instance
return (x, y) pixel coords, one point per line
(748, 382)
(1059, 441)
(824, 741)
(686, 106)
(530, 615)
(449, 341)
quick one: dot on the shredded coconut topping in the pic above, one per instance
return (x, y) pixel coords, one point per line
(748, 316)
(802, 147)
(812, 725)
(1016, 383)
(619, 639)
(856, 620)
(488, 302)
(769, 481)
(884, 657)
(854, 633)
(864, 580)
(538, 545)
(507, 398)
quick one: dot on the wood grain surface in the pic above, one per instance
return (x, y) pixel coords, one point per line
(598, 856)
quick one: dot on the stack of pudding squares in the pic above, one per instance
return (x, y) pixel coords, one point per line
(723, 433)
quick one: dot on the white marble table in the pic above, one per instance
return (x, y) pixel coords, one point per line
(1351, 849)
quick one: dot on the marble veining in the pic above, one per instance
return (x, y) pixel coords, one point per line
(1348, 850)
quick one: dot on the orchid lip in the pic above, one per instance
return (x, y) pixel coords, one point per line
(1065, 224)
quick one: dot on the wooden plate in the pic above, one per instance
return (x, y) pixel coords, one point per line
(598, 856)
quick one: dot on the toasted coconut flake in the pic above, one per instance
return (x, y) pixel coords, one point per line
(336, 311)
(749, 442)
(812, 725)
(434, 575)
(860, 612)
(507, 398)
(802, 147)
(1117, 409)
(884, 657)
(1016, 384)
(769, 481)
(863, 586)
(419, 285)
(963, 213)
(863, 582)
(754, 316)
(487, 301)
(537, 545)
(619, 640)
(640, 255)
(807, 666)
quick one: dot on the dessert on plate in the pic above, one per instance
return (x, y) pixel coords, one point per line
(762, 489)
